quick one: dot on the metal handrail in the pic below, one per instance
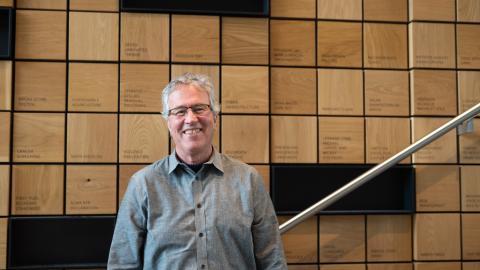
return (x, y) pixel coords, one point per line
(378, 169)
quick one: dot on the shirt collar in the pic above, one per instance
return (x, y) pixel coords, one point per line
(215, 160)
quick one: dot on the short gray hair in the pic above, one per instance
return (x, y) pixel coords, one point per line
(202, 82)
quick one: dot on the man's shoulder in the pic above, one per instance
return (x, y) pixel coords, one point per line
(153, 170)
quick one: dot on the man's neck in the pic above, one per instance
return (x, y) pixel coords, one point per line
(194, 158)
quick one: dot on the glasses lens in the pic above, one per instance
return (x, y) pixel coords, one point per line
(198, 109)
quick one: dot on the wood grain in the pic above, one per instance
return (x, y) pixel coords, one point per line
(470, 236)
(444, 10)
(293, 90)
(292, 8)
(470, 186)
(6, 3)
(3, 242)
(264, 171)
(386, 136)
(43, 4)
(468, 85)
(389, 238)
(5, 85)
(340, 92)
(471, 265)
(125, 174)
(443, 150)
(468, 45)
(437, 266)
(5, 136)
(469, 145)
(300, 243)
(339, 9)
(341, 140)
(385, 45)
(95, 5)
(385, 10)
(437, 188)
(390, 266)
(292, 43)
(4, 189)
(468, 11)
(386, 93)
(343, 266)
(431, 45)
(339, 44)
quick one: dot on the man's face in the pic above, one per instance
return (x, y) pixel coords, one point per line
(191, 133)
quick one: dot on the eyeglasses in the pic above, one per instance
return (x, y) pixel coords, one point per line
(197, 109)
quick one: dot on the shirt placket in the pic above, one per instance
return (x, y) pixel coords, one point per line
(202, 262)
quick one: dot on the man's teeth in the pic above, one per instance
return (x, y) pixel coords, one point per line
(192, 131)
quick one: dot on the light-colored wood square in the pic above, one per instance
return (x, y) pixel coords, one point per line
(103, 5)
(389, 238)
(385, 10)
(433, 92)
(143, 137)
(432, 10)
(386, 136)
(469, 144)
(437, 266)
(385, 45)
(245, 89)
(125, 174)
(3, 242)
(43, 4)
(93, 36)
(468, 46)
(339, 44)
(470, 236)
(442, 150)
(437, 188)
(342, 266)
(244, 40)
(470, 185)
(37, 189)
(40, 34)
(300, 243)
(38, 137)
(93, 87)
(91, 189)
(292, 43)
(293, 90)
(339, 9)
(40, 86)
(341, 140)
(293, 9)
(264, 171)
(294, 139)
(6, 85)
(303, 267)
(195, 38)
(468, 11)
(145, 37)
(386, 93)
(340, 92)
(92, 138)
(5, 3)
(342, 239)
(246, 137)
(5, 136)
(471, 265)
(390, 266)
(468, 85)
(431, 45)
(141, 86)
(4, 189)
(436, 237)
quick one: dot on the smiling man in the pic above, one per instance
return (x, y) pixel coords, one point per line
(196, 208)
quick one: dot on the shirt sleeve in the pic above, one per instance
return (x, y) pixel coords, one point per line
(126, 250)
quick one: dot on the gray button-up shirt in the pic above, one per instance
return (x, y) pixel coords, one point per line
(218, 218)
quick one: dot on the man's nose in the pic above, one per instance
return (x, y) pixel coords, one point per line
(190, 116)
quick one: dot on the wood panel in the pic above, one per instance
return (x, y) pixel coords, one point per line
(469, 145)
(145, 37)
(292, 43)
(437, 188)
(125, 173)
(3, 242)
(245, 89)
(340, 92)
(40, 34)
(385, 45)
(104, 5)
(43, 4)
(389, 238)
(293, 9)
(437, 266)
(5, 85)
(264, 171)
(91, 189)
(244, 40)
(339, 9)
(386, 93)
(40, 86)
(470, 185)
(471, 265)
(5, 136)
(390, 266)
(4, 189)
(385, 10)
(431, 45)
(93, 36)
(293, 90)
(300, 243)
(468, 45)
(302, 267)
(6, 3)
(339, 44)
(93, 87)
(432, 10)
(37, 190)
(341, 140)
(38, 137)
(342, 266)
(468, 85)
(470, 236)
(385, 137)
(443, 150)
(468, 11)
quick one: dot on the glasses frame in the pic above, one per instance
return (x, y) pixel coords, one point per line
(192, 108)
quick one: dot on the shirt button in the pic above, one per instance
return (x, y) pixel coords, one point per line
(200, 234)
(203, 266)
(199, 205)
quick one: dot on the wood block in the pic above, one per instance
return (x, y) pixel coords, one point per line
(38, 137)
(40, 34)
(44, 4)
(5, 136)
(293, 90)
(436, 237)
(342, 239)
(470, 184)
(381, 10)
(385, 45)
(386, 137)
(431, 45)
(468, 11)
(292, 43)
(293, 9)
(471, 265)
(93, 87)
(437, 188)
(339, 9)
(469, 144)
(40, 86)
(246, 137)
(433, 92)
(4, 189)
(104, 5)
(195, 38)
(432, 10)
(6, 85)
(468, 46)
(389, 238)
(92, 138)
(37, 189)
(93, 36)
(302, 267)
(437, 266)
(91, 189)
(294, 139)
(244, 40)
(141, 87)
(264, 171)
(442, 150)
(342, 267)
(125, 174)
(6, 3)
(386, 92)
(143, 137)
(470, 236)
(390, 266)
(340, 92)
(300, 243)
(341, 140)
(145, 37)
(3, 242)
(245, 89)
(339, 44)
(468, 94)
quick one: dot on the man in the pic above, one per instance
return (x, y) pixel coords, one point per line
(197, 208)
